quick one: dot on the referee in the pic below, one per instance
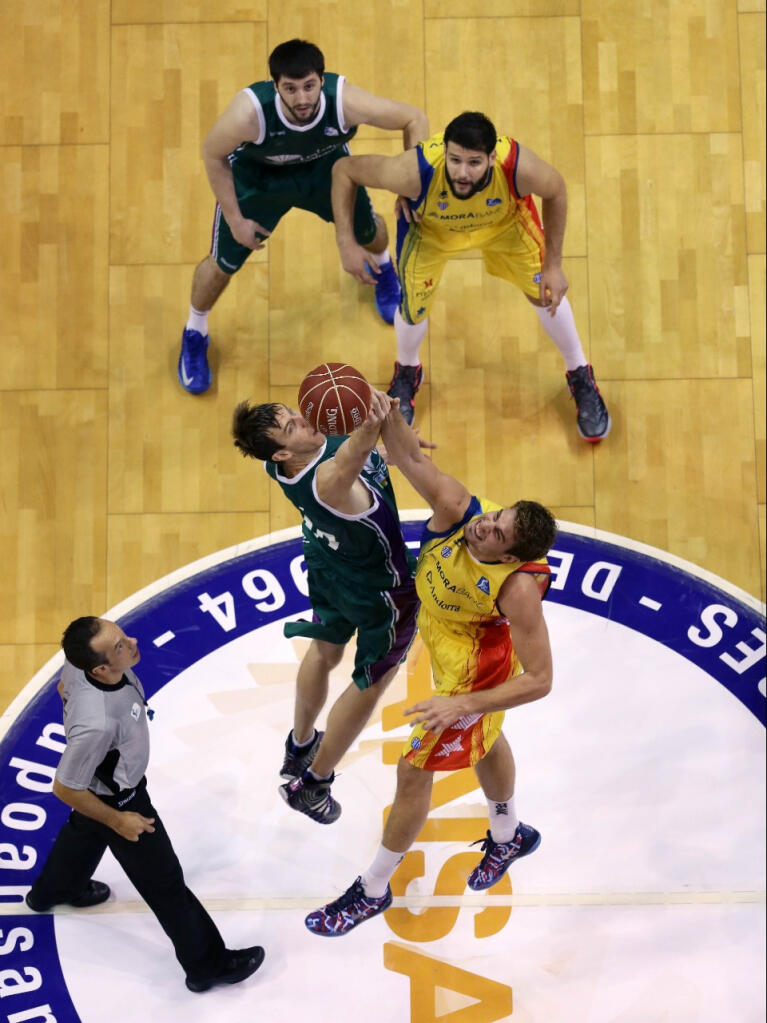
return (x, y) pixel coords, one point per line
(101, 776)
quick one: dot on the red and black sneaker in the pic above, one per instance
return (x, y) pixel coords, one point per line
(593, 418)
(404, 385)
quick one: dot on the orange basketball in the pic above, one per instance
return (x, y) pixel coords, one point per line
(334, 398)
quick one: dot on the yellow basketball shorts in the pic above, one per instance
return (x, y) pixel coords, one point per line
(462, 663)
(514, 252)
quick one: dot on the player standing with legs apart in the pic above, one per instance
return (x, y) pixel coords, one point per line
(360, 576)
(469, 188)
(101, 776)
(271, 150)
(481, 575)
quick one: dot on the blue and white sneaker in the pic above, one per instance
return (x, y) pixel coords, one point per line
(193, 369)
(388, 291)
(499, 856)
(352, 908)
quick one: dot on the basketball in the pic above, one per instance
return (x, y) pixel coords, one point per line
(334, 398)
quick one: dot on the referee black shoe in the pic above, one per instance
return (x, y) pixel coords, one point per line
(94, 893)
(239, 964)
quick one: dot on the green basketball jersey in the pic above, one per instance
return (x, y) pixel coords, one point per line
(282, 142)
(364, 551)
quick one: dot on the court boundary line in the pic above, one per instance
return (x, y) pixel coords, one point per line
(153, 589)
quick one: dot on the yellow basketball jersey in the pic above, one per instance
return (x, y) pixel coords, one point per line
(457, 589)
(457, 224)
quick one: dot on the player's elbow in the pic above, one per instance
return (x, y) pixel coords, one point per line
(543, 685)
(342, 168)
(60, 791)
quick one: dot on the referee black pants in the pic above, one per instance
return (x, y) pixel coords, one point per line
(151, 865)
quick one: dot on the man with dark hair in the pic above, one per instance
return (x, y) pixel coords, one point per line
(482, 573)
(271, 150)
(360, 577)
(101, 777)
(468, 188)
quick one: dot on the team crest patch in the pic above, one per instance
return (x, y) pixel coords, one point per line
(484, 585)
(446, 552)
(331, 131)
(415, 742)
(536, 279)
(442, 205)
(135, 712)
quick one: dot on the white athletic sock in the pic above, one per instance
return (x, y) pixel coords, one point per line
(302, 745)
(377, 876)
(503, 819)
(409, 338)
(379, 258)
(197, 320)
(562, 330)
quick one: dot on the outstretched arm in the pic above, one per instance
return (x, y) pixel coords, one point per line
(536, 176)
(448, 498)
(397, 174)
(337, 476)
(361, 107)
(239, 123)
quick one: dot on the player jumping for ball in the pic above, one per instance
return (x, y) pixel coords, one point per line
(360, 577)
(272, 150)
(469, 188)
(482, 573)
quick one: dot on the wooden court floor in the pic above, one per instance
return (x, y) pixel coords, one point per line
(111, 475)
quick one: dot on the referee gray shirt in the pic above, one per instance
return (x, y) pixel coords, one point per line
(107, 731)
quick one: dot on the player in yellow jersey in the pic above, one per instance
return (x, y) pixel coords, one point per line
(469, 188)
(481, 575)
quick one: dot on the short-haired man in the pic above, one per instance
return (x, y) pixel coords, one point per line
(469, 188)
(482, 573)
(271, 150)
(360, 577)
(101, 776)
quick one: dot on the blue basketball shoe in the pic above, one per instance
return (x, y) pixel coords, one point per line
(193, 369)
(346, 912)
(499, 856)
(388, 291)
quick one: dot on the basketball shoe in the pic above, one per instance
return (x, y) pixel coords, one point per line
(347, 911)
(193, 369)
(94, 893)
(312, 797)
(499, 856)
(404, 385)
(388, 291)
(593, 420)
(297, 760)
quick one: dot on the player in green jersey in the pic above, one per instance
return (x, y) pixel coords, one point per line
(273, 149)
(360, 576)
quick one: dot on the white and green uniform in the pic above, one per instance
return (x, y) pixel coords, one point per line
(360, 572)
(289, 165)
